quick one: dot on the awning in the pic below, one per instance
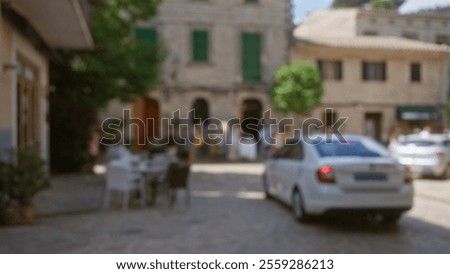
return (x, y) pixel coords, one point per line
(61, 23)
(417, 113)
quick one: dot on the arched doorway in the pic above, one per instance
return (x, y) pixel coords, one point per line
(251, 113)
(198, 115)
(200, 111)
(146, 110)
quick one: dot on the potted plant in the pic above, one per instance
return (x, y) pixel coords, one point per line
(20, 180)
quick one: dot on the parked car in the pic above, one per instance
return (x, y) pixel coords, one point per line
(427, 154)
(319, 177)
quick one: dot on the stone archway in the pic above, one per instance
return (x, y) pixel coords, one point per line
(201, 111)
(251, 113)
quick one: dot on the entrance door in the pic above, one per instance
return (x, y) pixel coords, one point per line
(201, 111)
(373, 125)
(27, 106)
(251, 116)
(147, 110)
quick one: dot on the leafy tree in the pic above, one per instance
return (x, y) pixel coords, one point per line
(120, 66)
(297, 87)
(374, 4)
(384, 4)
(349, 3)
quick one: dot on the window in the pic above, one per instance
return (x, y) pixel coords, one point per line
(27, 106)
(330, 70)
(200, 46)
(442, 39)
(347, 149)
(415, 72)
(370, 33)
(329, 118)
(148, 36)
(251, 57)
(373, 71)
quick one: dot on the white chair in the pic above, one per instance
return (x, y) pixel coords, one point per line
(155, 171)
(248, 151)
(121, 178)
(116, 152)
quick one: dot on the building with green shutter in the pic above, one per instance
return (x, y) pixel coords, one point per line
(221, 58)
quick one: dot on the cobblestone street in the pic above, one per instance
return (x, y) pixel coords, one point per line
(228, 214)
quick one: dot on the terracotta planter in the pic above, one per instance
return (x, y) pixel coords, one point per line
(18, 214)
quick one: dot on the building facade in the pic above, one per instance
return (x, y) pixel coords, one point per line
(383, 83)
(29, 30)
(221, 58)
(427, 27)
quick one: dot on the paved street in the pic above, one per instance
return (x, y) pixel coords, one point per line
(228, 214)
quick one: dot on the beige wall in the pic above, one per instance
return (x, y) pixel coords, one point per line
(223, 105)
(225, 20)
(397, 89)
(352, 97)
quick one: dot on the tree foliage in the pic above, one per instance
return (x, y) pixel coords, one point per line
(374, 4)
(349, 3)
(384, 4)
(119, 67)
(297, 87)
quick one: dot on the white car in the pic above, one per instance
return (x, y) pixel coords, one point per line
(316, 176)
(427, 154)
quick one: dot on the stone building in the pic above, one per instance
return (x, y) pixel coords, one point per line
(29, 32)
(221, 57)
(373, 75)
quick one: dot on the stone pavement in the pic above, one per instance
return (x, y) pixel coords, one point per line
(433, 189)
(228, 214)
(72, 193)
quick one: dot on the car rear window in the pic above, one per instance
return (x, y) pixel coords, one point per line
(348, 149)
(418, 143)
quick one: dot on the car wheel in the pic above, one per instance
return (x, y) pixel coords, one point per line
(266, 186)
(391, 218)
(446, 174)
(298, 208)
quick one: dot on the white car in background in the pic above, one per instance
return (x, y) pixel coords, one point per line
(427, 154)
(321, 177)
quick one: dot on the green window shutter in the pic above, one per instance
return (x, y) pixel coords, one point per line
(251, 57)
(200, 46)
(251, 1)
(148, 36)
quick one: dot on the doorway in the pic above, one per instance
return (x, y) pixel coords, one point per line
(251, 113)
(373, 125)
(200, 111)
(147, 110)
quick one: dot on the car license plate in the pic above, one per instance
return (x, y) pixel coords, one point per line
(379, 177)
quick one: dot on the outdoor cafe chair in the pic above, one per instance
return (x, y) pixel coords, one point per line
(122, 179)
(177, 177)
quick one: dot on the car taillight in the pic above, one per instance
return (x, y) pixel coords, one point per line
(440, 154)
(325, 174)
(409, 178)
